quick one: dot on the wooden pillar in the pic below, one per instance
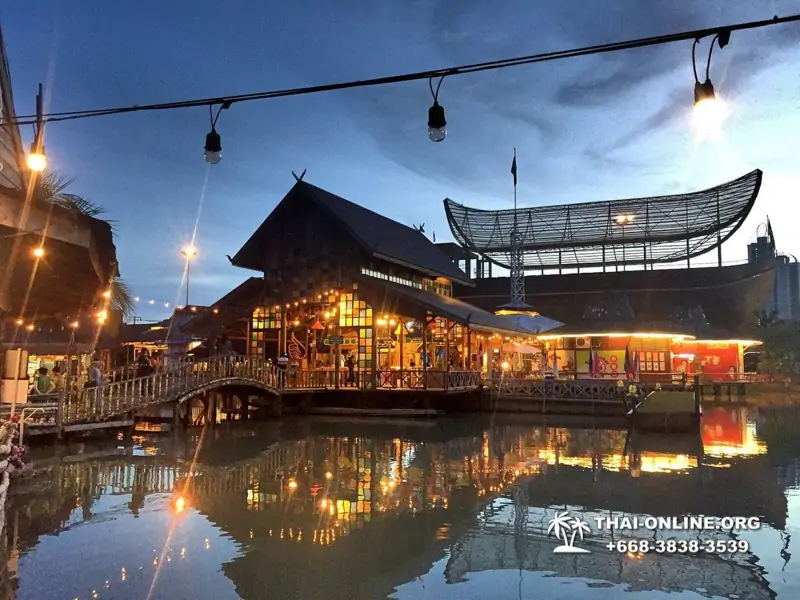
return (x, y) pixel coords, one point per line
(424, 356)
(374, 366)
(447, 338)
(337, 353)
(402, 352)
(176, 417)
(468, 359)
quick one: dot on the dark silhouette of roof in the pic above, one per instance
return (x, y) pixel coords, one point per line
(236, 304)
(659, 229)
(380, 236)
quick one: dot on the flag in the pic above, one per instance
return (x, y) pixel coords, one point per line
(628, 362)
(514, 167)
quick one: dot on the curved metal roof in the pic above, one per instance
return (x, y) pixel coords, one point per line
(660, 229)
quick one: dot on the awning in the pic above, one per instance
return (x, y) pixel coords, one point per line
(456, 310)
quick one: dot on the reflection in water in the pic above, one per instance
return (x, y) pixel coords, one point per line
(322, 510)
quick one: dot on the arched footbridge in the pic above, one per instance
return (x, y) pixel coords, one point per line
(177, 383)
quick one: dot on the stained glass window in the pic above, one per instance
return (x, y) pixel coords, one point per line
(353, 312)
(264, 318)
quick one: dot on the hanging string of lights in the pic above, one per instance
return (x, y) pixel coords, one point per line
(153, 302)
(436, 117)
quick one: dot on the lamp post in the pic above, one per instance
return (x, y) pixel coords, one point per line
(189, 252)
(622, 221)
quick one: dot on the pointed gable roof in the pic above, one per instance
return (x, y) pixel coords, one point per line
(380, 236)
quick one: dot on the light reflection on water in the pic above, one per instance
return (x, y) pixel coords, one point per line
(324, 509)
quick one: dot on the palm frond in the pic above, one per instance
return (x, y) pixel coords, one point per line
(50, 186)
(122, 298)
(79, 204)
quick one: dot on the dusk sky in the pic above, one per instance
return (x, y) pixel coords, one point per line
(595, 128)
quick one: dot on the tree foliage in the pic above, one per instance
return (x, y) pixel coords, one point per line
(781, 350)
(52, 187)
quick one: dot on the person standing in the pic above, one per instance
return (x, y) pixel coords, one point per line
(97, 380)
(350, 363)
(42, 383)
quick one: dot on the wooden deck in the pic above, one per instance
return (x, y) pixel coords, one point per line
(114, 405)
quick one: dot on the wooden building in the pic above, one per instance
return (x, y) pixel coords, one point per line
(340, 280)
(53, 259)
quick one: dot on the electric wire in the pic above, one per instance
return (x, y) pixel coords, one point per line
(415, 76)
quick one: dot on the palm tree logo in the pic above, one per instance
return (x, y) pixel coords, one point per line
(568, 528)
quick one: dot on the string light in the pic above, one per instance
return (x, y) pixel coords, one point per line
(437, 124)
(38, 252)
(709, 111)
(213, 140)
(153, 302)
(213, 148)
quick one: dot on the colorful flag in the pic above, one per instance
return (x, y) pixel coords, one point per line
(628, 361)
(514, 167)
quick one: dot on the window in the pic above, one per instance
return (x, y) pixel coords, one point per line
(393, 278)
(438, 287)
(353, 312)
(264, 318)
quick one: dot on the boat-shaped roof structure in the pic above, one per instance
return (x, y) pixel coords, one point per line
(635, 231)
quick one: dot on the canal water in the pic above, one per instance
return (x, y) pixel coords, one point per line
(461, 509)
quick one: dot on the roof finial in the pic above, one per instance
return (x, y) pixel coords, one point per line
(300, 178)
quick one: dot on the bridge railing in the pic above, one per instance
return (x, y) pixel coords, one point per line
(115, 398)
(554, 388)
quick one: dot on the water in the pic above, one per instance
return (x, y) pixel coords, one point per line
(413, 511)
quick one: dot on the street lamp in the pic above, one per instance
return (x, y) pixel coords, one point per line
(189, 252)
(37, 159)
(623, 220)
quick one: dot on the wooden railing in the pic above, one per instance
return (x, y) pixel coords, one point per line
(76, 404)
(111, 399)
(589, 389)
(386, 379)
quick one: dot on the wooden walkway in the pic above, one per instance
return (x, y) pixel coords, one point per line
(113, 405)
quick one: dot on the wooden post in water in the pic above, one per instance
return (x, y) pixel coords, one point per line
(64, 394)
(176, 417)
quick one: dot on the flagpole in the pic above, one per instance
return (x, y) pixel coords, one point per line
(515, 188)
(517, 275)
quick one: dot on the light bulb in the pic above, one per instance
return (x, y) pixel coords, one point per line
(709, 111)
(213, 147)
(37, 162)
(437, 135)
(709, 114)
(437, 124)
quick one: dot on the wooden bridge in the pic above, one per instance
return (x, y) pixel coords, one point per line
(79, 407)
(146, 475)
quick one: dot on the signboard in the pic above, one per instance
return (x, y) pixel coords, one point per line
(338, 340)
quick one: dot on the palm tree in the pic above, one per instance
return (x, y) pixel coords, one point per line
(51, 187)
(559, 524)
(578, 528)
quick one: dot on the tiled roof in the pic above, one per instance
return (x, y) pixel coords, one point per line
(380, 236)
